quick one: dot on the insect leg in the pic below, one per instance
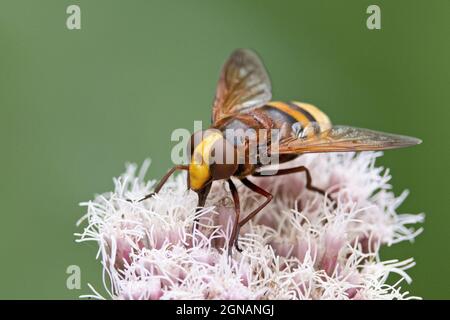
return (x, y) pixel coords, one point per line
(235, 233)
(309, 185)
(202, 195)
(164, 180)
(260, 191)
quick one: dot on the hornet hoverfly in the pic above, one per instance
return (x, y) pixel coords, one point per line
(243, 100)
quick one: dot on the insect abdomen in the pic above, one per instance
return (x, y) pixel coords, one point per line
(298, 115)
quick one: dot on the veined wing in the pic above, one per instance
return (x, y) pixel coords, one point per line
(343, 139)
(243, 84)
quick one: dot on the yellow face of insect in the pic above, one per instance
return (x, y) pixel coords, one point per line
(199, 167)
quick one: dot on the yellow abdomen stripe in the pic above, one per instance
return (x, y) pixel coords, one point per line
(296, 114)
(317, 114)
(303, 113)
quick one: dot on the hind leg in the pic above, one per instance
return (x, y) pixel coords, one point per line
(237, 209)
(309, 184)
(260, 191)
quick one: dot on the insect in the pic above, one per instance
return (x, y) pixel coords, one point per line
(243, 101)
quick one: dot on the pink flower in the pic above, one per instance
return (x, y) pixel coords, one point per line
(300, 246)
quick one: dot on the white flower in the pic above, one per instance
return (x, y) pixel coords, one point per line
(300, 246)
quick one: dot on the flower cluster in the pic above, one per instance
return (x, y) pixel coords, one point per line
(301, 246)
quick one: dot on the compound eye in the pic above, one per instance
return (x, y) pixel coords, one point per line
(222, 171)
(223, 164)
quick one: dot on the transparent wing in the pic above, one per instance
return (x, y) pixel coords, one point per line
(342, 139)
(243, 84)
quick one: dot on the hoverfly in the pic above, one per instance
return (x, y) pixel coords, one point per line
(243, 100)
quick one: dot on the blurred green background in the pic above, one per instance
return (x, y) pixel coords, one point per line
(76, 105)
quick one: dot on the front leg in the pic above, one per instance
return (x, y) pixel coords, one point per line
(164, 180)
(202, 196)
